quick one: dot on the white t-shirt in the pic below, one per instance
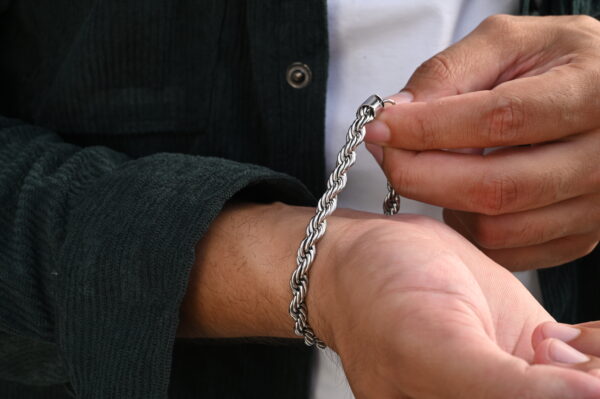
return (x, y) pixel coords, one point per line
(375, 45)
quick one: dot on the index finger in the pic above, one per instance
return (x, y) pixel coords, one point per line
(507, 181)
(558, 103)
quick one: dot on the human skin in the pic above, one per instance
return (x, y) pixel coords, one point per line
(530, 85)
(583, 337)
(413, 309)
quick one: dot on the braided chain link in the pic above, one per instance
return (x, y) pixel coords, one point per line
(391, 203)
(325, 207)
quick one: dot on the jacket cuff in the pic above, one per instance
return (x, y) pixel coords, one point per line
(127, 254)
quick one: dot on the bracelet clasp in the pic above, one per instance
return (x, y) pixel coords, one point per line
(375, 103)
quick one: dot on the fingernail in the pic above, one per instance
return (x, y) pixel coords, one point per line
(376, 151)
(563, 353)
(561, 332)
(403, 97)
(377, 132)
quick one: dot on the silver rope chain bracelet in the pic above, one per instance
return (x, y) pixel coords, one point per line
(325, 207)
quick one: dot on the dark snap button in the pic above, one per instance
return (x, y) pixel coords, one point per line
(298, 75)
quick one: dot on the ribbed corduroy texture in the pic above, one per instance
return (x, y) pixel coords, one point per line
(97, 235)
(560, 7)
(96, 249)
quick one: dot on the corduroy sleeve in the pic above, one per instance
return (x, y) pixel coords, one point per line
(95, 251)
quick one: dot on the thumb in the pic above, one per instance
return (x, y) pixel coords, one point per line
(480, 61)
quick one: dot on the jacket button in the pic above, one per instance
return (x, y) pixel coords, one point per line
(298, 75)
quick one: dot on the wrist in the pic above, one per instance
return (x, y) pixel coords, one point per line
(239, 285)
(329, 276)
(346, 274)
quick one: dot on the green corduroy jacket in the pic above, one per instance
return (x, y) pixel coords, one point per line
(125, 126)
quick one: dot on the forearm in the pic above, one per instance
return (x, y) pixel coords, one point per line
(239, 286)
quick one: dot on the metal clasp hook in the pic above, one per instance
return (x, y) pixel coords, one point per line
(375, 103)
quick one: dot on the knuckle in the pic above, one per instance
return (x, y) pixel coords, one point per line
(486, 233)
(402, 179)
(507, 32)
(437, 68)
(496, 195)
(505, 121)
(427, 137)
(585, 21)
(533, 234)
(526, 233)
(499, 22)
(578, 32)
